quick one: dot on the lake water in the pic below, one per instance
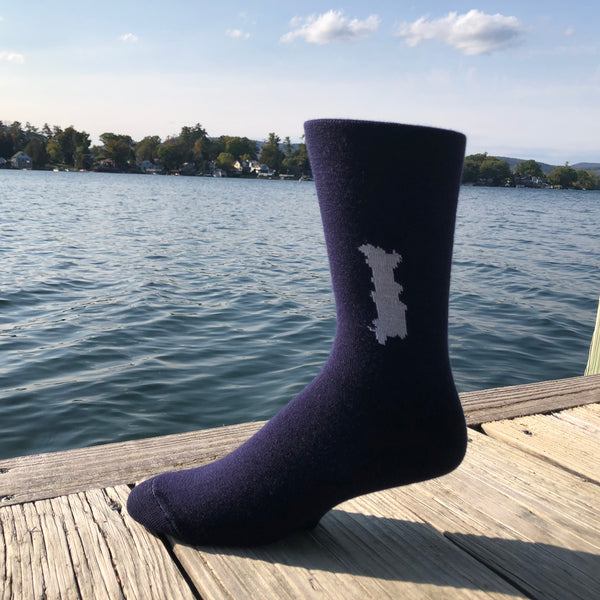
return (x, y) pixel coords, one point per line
(134, 306)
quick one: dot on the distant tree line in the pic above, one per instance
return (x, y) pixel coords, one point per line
(481, 169)
(190, 152)
(193, 151)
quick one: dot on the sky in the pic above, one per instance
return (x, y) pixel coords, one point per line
(520, 79)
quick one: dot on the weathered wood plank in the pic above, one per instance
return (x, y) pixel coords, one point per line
(528, 520)
(587, 418)
(530, 399)
(365, 549)
(41, 476)
(85, 546)
(564, 439)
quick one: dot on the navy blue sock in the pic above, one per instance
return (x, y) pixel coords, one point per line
(383, 411)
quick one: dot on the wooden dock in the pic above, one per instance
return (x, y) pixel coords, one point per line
(519, 519)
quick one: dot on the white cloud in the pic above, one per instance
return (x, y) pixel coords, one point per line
(129, 37)
(472, 33)
(237, 34)
(330, 27)
(12, 57)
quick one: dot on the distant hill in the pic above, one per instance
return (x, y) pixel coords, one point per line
(587, 167)
(546, 168)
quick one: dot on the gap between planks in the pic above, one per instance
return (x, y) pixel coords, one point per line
(526, 524)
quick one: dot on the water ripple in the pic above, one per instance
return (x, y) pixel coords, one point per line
(137, 306)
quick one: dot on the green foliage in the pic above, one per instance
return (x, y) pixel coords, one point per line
(586, 180)
(51, 145)
(270, 153)
(529, 168)
(188, 136)
(147, 149)
(471, 167)
(194, 144)
(68, 147)
(241, 146)
(563, 177)
(484, 169)
(55, 152)
(7, 146)
(296, 161)
(172, 155)
(118, 149)
(225, 161)
(72, 142)
(494, 171)
(37, 151)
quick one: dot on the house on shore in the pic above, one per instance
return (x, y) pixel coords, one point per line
(152, 168)
(20, 160)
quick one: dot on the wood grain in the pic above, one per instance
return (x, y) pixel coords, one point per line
(530, 399)
(45, 476)
(84, 546)
(518, 519)
(364, 549)
(532, 522)
(570, 439)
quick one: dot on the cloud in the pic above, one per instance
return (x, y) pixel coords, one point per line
(12, 57)
(237, 34)
(331, 26)
(471, 33)
(129, 38)
(569, 31)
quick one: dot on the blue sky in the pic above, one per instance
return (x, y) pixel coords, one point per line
(519, 78)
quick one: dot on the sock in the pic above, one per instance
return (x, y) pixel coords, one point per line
(383, 411)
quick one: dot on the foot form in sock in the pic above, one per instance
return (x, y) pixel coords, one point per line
(383, 411)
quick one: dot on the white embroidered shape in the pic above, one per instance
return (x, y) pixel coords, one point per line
(391, 311)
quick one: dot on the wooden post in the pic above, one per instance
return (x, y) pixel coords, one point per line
(593, 365)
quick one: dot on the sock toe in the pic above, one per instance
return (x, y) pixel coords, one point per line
(144, 506)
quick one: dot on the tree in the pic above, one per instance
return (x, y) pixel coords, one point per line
(188, 136)
(194, 143)
(529, 168)
(18, 136)
(302, 160)
(47, 132)
(37, 151)
(70, 147)
(270, 153)
(225, 161)
(147, 149)
(55, 153)
(586, 180)
(118, 148)
(238, 146)
(472, 166)
(172, 155)
(296, 161)
(7, 146)
(494, 171)
(563, 177)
